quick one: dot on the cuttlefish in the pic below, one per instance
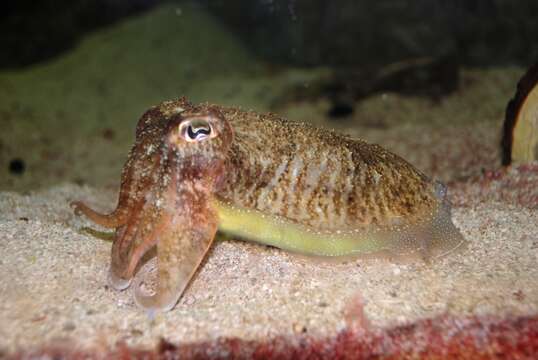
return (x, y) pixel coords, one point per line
(198, 169)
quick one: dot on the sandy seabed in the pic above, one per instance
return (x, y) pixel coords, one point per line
(55, 285)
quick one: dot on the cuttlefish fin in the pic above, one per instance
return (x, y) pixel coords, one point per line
(181, 248)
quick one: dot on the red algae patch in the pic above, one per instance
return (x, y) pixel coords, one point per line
(440, 337)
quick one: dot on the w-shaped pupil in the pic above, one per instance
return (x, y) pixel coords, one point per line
(194, 133)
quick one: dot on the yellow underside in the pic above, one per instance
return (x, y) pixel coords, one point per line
(281, 233)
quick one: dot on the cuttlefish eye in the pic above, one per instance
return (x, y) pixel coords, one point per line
(196, 130)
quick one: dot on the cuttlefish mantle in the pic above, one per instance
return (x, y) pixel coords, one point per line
(198, 169)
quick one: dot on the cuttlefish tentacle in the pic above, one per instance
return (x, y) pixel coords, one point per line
(124, 245)
(112, 220)
(184, 236)
(136, 177)
(135, 237)
(120, 215)
(138, 235)
(131, 218)
(132, 189)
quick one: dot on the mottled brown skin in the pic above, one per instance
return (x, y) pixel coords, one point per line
(311, 177)
(358, 183)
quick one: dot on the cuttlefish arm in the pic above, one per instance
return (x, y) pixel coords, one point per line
(166, 201)
(136, 176)
(184, 234)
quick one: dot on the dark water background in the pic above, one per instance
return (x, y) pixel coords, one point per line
(302, 32)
